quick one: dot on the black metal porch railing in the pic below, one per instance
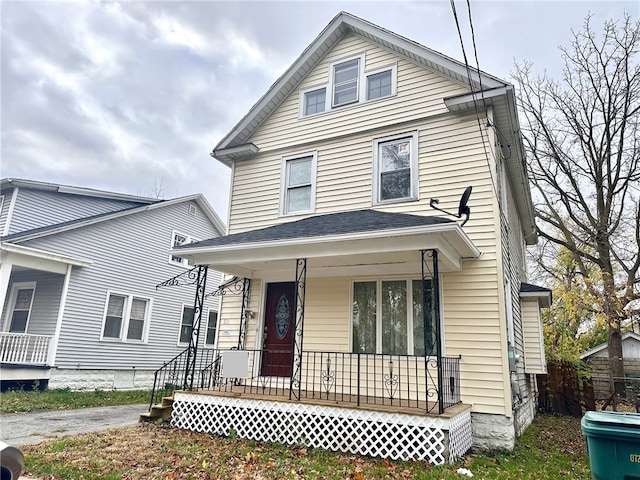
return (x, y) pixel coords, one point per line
(403, 381)
(171, 375)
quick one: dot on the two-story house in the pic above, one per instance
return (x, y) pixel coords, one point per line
(78, 275)
(367, 320)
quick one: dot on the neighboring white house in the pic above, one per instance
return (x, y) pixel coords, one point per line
(78, 275)
(598, 358)
(371, 321)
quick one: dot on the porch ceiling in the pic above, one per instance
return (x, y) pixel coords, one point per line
(388, 248)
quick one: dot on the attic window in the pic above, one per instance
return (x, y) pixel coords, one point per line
(345, 82)
(193, 210)
(348, 84)
(314, 101)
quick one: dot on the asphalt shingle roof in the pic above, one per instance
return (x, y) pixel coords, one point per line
(325, 225)
(529, 288)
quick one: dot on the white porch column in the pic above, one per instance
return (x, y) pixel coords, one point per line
(5, 273)
(53, 346)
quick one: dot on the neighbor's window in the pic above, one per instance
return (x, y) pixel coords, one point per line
(186, 324)
(178, 239)
(345, 82)
(314, 101)
(387, 318)
(395, 168)
(126, 317)
(212, 325)
(298, 184)
(22, 295)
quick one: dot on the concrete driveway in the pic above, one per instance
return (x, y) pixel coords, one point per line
(33, 427)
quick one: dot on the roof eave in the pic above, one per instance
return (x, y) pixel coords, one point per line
(449, 239)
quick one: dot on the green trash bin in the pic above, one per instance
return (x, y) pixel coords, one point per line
(613, 440)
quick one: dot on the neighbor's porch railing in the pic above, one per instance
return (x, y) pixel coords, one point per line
(345, 378)
(24, 349)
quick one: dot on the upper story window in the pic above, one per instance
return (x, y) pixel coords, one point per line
(381, 83)
(126, 317)
(348, 84)
(345, 82)
(298, 188)
(395, 168)
(178, 239)
(314, 101)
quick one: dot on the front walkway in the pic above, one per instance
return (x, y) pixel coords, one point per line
(33, 427)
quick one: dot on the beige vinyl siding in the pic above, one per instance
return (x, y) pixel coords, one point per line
(451, 157)
(419, 94)
(534, 358)
(449, 162)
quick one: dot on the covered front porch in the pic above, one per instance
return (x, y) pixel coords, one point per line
(335, 334)
(33, 291)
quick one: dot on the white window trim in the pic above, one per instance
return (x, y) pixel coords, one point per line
(124, 327)
(330, 87)
(410, 319)
(363, 76)
(414, 195)
(215, 338)
(12, 304)
(184, 305)
(394, 82)
(184, 263)
(303, 94)
(283, 183)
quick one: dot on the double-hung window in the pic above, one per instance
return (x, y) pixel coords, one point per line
(298, 188)
(212, 326)
(178, 239)
(395, 168)
(21, 304)
(388, 318)
(126, 317)
(346, 82)
(186, 324)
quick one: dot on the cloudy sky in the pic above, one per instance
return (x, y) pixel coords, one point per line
(132, 96)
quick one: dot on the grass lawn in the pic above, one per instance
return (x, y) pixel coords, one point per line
(16, 401)
(552, 448)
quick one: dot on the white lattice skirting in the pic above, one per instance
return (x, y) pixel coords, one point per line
(379, 434)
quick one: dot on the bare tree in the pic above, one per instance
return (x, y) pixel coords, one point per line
(581, 135)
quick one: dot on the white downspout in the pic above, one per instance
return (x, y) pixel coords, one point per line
(53, 347)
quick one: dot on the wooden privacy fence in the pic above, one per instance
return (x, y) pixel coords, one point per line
(563, 390)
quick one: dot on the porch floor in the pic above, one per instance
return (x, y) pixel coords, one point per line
(373, 404)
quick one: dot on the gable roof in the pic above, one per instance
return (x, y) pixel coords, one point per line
(103, 217)
(68, 189)
(496, 93)
(235, 142)
(603, 346)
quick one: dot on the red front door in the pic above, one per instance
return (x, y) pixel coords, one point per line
(279, 326)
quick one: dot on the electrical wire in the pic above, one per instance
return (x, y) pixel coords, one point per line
(473, 91)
